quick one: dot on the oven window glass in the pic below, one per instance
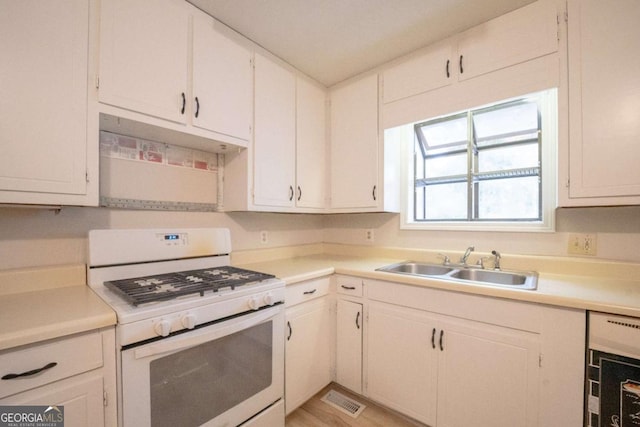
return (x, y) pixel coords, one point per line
(196, 385)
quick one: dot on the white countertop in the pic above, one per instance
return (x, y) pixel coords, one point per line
(52, 302)
(47, 303)
(598, 293)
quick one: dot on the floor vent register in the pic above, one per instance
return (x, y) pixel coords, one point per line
(343, 403)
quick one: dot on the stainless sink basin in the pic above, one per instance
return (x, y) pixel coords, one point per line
(466, 274)
(417, 268)
(503, 278)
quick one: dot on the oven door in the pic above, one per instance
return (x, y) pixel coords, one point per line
(218, 375)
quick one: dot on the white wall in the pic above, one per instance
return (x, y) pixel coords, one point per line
(617, 228)
(35, 237)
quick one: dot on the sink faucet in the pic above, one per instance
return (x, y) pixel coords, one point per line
(496, 264)
(463, 259)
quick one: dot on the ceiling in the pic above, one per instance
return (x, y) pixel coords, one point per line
(332, 40)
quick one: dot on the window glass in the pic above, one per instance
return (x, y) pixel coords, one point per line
(480, 165)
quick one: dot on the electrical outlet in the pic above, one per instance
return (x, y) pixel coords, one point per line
(368, 235)
(264, 237)
(582, 244)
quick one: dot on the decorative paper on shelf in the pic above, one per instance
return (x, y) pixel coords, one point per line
(129, 148)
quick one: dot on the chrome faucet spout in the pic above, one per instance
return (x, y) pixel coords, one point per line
(463, 259)
(496, 264)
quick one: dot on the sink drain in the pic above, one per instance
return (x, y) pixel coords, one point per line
(343, 403)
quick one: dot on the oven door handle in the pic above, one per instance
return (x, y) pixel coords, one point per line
(209, 333)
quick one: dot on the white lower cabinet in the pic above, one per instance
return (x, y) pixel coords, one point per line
(401, 363)
(349, 321)
(451, 359)
(76, 372)
(309, 346)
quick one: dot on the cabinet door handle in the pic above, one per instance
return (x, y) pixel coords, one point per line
(309, 292)
(358, 320)
(433, 338)
(184, 103)
(441, 335)
(373, 193)
(349, 288)
(299, 193)
(290, 193)
(447, 67)
(290, 331)
(30, 373)
(197, 107)
(461, 69)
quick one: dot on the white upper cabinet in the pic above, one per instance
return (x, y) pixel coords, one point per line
(311, 147)
(604, 101)
(166, 64)
(222, 75)
(274, 134)
(524, 34)
(355, 144)
(43, 103)
(144, 47)
(429, 70)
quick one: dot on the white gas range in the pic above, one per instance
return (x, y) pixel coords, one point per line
(190, 325)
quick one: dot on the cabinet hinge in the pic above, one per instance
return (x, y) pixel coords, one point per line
(540, 360)
(105, 398)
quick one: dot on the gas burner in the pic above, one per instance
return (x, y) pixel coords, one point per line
(162, 287)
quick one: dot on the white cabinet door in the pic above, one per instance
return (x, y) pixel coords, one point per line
(604, 100)
(144, 56)
(354, 145)
(516, 37)
(309, 350)
(349, 345)
(274, 134)
(43, 100)
(402, 358)
(81, 396)
(487, 375)
(311, 146)
(431, 69)
(222, 81)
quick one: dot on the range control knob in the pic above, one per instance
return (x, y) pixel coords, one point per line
(163, 328)
(254, 303)
(268, 298)
(189, 321)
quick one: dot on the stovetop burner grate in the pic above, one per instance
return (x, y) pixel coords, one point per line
(162, 287)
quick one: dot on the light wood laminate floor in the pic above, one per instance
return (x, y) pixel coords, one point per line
(316, 413)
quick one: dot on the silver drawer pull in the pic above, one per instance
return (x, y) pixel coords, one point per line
(30, 373)
(310, 292)
(349, 288)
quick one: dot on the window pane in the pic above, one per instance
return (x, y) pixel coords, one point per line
(508, 120)
(440, 133)
(516, 198)
(445, 201)
(509, 157)
(446, 165)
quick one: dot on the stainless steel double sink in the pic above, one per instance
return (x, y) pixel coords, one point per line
(527, 280)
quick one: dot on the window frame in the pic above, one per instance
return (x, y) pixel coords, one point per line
(548, 110)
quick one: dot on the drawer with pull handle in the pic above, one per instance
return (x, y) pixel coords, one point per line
(349, 286)
(32, 366)
(305, 291)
